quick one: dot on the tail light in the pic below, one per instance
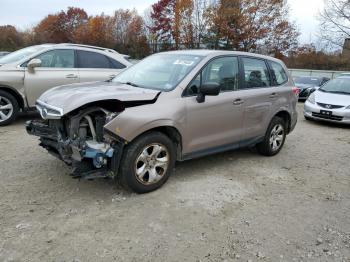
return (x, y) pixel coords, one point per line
(296, 91)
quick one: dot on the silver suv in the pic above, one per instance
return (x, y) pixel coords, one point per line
(169, 107)
(29, 72)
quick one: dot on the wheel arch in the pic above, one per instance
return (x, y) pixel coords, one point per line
(285, 115)
(170, 131)
(15, 94)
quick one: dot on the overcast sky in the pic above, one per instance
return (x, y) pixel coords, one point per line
(26, 13)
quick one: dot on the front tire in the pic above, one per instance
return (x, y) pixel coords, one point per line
(274, 138)
(8, 108)
(147, 163)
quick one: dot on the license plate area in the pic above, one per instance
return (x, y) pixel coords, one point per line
(326, 113)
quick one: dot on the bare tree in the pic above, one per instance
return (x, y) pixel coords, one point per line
(335, 22)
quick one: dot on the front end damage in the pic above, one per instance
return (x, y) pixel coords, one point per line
(80, 140)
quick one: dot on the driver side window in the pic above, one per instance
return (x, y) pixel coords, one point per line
(223, 71)
(57, 58)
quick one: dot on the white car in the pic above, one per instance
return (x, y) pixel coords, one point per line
(27, 73)
(330, 103)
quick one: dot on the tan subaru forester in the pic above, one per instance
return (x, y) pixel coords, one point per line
(169, 107)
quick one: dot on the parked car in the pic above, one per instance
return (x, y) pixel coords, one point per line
(3, 53)
(308, 84)
(170, 106)
(331, 102)
(29, 72)
(344, 74)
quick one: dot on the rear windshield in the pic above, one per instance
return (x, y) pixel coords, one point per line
(308, 80)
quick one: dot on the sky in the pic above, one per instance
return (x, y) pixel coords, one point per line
(26, 13)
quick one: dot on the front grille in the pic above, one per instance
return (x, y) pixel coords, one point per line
(332, 117)
(329, 106)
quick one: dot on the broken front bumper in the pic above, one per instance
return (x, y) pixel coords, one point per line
(88, 159)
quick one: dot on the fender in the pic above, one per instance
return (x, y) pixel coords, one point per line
(134, 121)
(19, 96)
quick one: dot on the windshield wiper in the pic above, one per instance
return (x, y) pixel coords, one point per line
(131, 84)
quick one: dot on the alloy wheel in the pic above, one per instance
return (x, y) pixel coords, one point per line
(6, 109)
(276, 137)
(152, 163)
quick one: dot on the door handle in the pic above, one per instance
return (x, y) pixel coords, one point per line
(273, 95)
(238, 102)
(71, 76)
(112, 76)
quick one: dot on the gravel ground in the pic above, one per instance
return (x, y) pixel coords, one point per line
(235, 206)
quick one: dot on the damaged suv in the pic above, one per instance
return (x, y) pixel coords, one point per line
(169, 107)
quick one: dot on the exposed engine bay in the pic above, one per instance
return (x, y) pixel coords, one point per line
(79, 139)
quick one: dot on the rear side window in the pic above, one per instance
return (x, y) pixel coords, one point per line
(115, 64)
(88, 59)
(256, 73)
(279, 75)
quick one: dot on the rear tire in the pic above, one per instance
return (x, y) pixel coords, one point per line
(8, 108)
(147, 163)
(274, 138)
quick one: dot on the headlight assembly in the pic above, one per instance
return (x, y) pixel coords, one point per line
(311, 98)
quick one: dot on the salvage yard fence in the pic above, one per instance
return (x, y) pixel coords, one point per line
(319, 73)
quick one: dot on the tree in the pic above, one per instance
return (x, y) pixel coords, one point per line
(60, 27)
(252, 25)
(10, 38)
(163, 19)
(129, 32)
(200, 20)
(335, 22)
(182, 30)
(97, 31)
(308, 57)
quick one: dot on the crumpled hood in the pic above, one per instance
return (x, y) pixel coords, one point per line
(70, 97)
(332, 99)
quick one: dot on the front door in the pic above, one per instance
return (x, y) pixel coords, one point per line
(215, 123)
(57, 68)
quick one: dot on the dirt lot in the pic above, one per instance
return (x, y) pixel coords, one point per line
(236, 206)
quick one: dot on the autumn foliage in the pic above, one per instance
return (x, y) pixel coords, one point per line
(260, 26)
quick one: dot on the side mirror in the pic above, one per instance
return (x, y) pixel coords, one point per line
(34, 63)
(312, 90)
(208, 89)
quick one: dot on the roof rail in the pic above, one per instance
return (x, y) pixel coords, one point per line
(90, 46)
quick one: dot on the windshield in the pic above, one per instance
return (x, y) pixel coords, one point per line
(338, 86)
(162, 71)
(20, 54)
(308, 81)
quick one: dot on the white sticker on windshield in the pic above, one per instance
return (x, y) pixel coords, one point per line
(183, 62)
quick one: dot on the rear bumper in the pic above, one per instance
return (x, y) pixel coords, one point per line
(313, 111)
(294, 121)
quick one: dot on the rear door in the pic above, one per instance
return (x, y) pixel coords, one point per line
(215, 123)
(57, 68)
(258, 97)
(94, 66)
